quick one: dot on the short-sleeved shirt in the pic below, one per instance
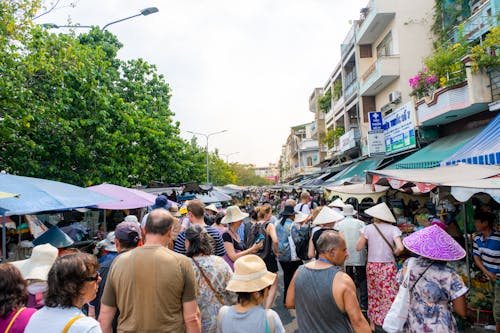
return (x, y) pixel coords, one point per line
(219, 250)
(489, 251)
(252, 320)
(378, 249)
(431, 296)
(49, 320)
(349, 228)
(149, 285)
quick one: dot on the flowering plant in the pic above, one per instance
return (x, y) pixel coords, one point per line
(423, 84)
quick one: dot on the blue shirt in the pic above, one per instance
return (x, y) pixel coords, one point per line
(489, 251)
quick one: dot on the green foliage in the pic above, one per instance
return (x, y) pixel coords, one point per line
(74, 112)
(337, 89)
(332, 135)
(486, 55)
(325, 101)
(245, 176)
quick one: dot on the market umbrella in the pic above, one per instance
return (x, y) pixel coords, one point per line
(36, 195)
(213, 196)
(129, 198)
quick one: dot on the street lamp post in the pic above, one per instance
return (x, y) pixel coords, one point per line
(227, 156)
(206, 137)
(144, 12)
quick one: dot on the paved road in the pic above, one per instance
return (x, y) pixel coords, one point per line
(288, 317)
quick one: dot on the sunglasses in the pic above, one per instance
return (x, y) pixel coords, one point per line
(93, 278)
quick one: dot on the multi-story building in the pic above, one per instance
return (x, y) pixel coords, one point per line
(392, 39)
(319, 129)
(270, 172)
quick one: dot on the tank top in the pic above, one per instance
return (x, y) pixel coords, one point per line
(317, 310)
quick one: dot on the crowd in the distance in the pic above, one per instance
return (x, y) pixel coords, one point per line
(175, 273)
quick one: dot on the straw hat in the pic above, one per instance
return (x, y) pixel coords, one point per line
(37, 267)
(233, 214)
(337, 203)
(434, 243)
(212, 208)
(174, 210)
(381, 212)
(250, 275)
(300, 217)
(349, 210)
(327, 215)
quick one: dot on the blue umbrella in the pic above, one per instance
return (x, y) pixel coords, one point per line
(37, 195)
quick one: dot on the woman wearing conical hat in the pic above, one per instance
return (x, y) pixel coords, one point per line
(435, 288)
(384, 242)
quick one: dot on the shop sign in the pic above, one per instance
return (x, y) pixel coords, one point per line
(376, 121)
(376, 143)
(399, 130)
(347, 141)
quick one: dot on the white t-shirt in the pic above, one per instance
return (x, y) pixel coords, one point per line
(50, 320)
(349, 228)
(302, 207)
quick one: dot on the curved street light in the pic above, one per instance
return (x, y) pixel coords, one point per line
(206, 137)
(144, 12)
(227, 156)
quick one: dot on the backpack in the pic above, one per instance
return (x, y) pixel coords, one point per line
(302, 242)
(257, 229)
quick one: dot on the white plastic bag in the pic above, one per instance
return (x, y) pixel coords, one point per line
(398, 313)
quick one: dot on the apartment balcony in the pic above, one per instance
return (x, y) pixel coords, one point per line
(351, 90)
(481, 20)
(338, 105)
(379, 75)
(375, 18)
(452, 103)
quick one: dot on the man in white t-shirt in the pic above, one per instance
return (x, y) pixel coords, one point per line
(305, 205)
(355, 265)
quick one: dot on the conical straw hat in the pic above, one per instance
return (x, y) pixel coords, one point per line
(337, 203)
(434, 243)
(327, 215)
(381, 212)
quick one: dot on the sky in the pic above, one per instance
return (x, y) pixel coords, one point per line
(244, 66)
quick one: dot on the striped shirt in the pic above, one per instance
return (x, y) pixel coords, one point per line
(489, 251)
(219, 249)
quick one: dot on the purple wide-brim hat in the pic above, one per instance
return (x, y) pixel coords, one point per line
(434, 243)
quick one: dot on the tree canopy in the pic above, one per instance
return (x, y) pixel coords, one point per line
(71, 110)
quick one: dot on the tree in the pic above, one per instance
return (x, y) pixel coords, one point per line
(247, 177)
(332, 135)
(74, 112)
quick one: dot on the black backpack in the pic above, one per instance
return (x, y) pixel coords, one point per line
(302, 242)
(255, 231)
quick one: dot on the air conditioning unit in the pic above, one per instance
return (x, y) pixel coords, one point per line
(394, 96)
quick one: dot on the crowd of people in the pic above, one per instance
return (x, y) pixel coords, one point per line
(211, 270)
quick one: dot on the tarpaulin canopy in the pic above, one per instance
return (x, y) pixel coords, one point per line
(230, 189)
(359, 191)
(4, 195)
(431, 156)
(213, 196)
(483, 149)
(463, 190)
(129, 198)
(37, 195)
(427, 179)
(355, 173)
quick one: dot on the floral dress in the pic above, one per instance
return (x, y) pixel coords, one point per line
(219, 273)
(430, 302)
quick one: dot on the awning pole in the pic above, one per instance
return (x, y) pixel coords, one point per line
(466, 235)
(4, 238)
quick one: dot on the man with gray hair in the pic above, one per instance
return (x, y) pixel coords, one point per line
(324, 296)
(154, 287)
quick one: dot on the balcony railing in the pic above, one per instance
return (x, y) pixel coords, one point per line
(380, 74)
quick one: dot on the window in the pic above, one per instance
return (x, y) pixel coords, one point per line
(385, 46)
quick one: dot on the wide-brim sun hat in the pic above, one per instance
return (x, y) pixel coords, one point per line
(348, 210)
(288, 211)
(250, 275)
(212, 207)
(381, 212)
(300, 217)
(108, 243)
(434, 243)
(37, 267)
(337, 203)
(233, 214)
(327, 215)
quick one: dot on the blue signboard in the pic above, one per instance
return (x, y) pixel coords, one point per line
(376, 121)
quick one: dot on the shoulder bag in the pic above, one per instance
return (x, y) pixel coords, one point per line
(398, 313)
(393, 248)
(216, 293)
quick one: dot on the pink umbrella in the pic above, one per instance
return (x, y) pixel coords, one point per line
(130, 198)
